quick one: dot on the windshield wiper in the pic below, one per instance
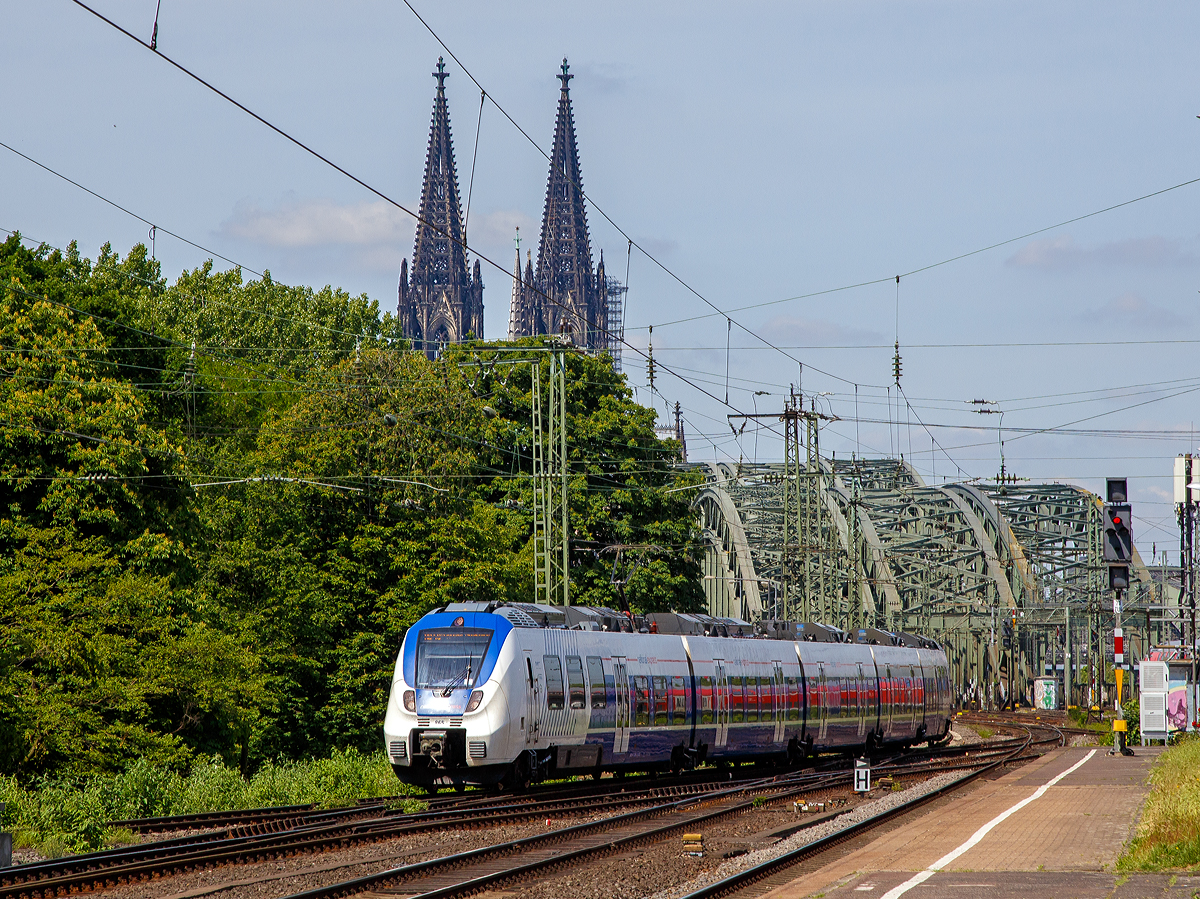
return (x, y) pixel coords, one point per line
(464, 676)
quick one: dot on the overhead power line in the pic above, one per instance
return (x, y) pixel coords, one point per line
(631, 242)
(933, 265)
(387, 199)
(128, 212)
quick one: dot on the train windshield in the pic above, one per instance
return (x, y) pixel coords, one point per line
(450, 657)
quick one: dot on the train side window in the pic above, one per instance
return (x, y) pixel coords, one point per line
(575, 682)
(706, 699)
(555, 697)
(596, 676)
(737, 709)
(641, 700)
(660, 701)
(678, 701)
(793, 698)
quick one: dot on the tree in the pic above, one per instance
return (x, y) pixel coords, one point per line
(619, 475)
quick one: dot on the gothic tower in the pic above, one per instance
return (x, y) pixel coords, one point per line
(524, 311)
(441, 302)
(568, 296)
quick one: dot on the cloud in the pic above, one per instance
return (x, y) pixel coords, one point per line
(1062, 253)
(1133, 310)
(604, 78)
(1158, 493)
(795, 331)
(492, 230)
(659, 247)
(296, 224)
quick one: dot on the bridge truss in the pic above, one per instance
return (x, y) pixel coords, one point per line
(866, 543)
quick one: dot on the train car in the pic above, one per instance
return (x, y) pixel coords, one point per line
(509, 694)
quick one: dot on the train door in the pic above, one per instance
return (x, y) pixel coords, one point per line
(779, 692)
(621, 689)
(822, 705)
(862, 702)
(533, 701)
(887, 702)
(720, 701)
(918, 699)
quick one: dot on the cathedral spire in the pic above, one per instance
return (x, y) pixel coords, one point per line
(442, 302)
(516, 306)
(564, 266)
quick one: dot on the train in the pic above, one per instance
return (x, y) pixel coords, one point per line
(503, 695)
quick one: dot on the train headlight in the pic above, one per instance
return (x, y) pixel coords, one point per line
(410, 701)
(476, 698)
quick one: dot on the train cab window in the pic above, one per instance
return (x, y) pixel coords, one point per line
(641, 701)
(660, 701)
(596, 677)
(752, 699)
(555, 695)
(706, 700)
(678, 701)
(578, 691)
(737, 709)
(793, 698)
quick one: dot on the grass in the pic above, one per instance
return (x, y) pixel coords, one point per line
(60, 816)
(1168, 834)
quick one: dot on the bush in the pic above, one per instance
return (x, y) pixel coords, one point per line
(1133, 720)
(74, 815)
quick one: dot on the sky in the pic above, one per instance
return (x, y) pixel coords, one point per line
(789, 157)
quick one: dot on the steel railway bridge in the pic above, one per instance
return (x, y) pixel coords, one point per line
(866, 543)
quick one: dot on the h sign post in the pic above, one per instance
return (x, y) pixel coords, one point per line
(862, 776)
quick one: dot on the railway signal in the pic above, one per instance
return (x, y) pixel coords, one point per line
(1118, 549)
(1118, 536)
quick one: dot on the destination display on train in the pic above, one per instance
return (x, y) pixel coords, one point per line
(455, 635)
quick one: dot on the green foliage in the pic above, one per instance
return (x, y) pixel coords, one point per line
(223, 502)
(1168, 832)
(75, 814)
(1133, 720)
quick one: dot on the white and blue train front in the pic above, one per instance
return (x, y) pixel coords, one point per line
(512, 693)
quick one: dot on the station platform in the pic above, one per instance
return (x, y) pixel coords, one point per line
(1054, 827)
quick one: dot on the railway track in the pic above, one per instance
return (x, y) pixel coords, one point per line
(500, 865)
(268, 838)
(659, 806)
(295, 815)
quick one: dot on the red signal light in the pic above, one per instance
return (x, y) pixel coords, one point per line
(1116, 519)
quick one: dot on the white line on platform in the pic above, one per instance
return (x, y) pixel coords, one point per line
(945, 860)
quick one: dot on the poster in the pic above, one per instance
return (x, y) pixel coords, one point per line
(1177, 704)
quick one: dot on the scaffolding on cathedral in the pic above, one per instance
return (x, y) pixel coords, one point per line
(615, 294)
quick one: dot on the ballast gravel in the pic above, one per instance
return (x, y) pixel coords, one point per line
(818, 831)
(285, 876)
